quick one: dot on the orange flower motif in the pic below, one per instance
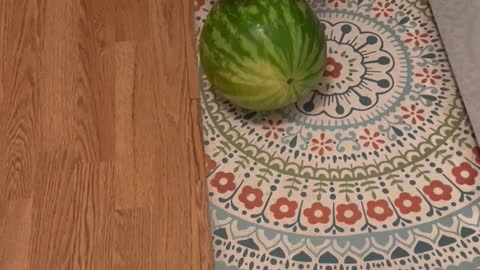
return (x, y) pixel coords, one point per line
(372, 139)
(321, 145)
(332, 68)
(407, 203)
(210, 164)
(438, 191)
(283, 208)
(382, 9)
(317, 213)
(251, 197)
(413, 114)
(417, 38)
(198, 4)
(273, 129)
(336, 2)
(476, 152)
(429, 76)
(379, 210)
(465, 174)
(223, 182)
(348, 213)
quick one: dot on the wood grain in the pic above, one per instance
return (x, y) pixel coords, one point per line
(190, 36)
(19, 98)
(199, 206)
(131, 20)
(73, 205)
(127, 195)
(15, 228)
(58, 69)
(134, 245)
(102, 162)
(92, 93)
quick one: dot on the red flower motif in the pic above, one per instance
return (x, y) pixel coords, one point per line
(438, 191)
(381, 8)
(251, 197)
(417, 38)
(283, 208)
(379, 210)
(429, 76)
(223, 182)
(273, 128)
(407, 203)
(464, 174)
(348, 213)
(336, 2)
(332, 68)
(210, 164)
(476, 152)
(374, 139)
(198, 4)
(413, 114)
(321, 145)
(317, 213)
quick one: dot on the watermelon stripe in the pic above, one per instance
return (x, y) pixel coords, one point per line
(262, 54)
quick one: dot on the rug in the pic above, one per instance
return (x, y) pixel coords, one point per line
(375, 168)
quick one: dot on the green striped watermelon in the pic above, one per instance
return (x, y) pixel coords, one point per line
(262, 54)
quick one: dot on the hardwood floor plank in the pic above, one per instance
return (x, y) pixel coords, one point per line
(77, 100)
(59, 65)
(141, 189)
(131, 20)
(201, 250)
(190, 48)
(72, 206)
(133, 240)
(93, 93)
(102, 161)
(126, 186)
(18, 99)
(162, 143)
(52, 222)
(163, 137)
(15, 226)
(94, 206)
(176, 191)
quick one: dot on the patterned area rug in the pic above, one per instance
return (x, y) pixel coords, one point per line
(376, 168)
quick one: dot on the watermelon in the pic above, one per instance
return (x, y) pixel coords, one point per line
(262, 54)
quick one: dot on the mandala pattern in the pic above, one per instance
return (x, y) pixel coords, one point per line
(376, 168)
(358, 72)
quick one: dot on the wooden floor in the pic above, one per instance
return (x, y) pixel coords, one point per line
(101, 163)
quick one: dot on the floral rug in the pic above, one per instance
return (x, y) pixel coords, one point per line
(376, 168)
